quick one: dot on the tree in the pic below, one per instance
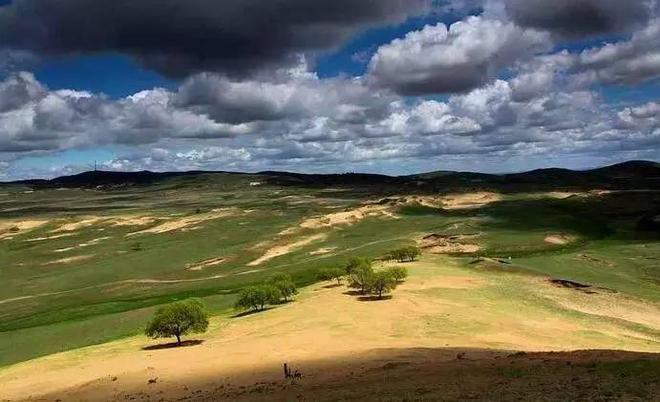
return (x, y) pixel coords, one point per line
(257, 297)
(362, 277)
(398, 273)
(179, 319)
(336, 274)
(405, 254)
(356, 263)
(284, 284)
(382, 282)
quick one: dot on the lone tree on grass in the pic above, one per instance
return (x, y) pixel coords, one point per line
(179, 319)
(284, 284)
(382, 282)
(398, 273)
(256, 298)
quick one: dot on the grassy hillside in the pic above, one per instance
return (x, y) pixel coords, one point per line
(86, 260)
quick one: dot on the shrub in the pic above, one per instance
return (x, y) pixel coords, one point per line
(256, 298)
(179, 319)
(398, 273)
(382, 282)
(284, 284)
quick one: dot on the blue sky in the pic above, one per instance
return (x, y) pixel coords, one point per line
(495, 90)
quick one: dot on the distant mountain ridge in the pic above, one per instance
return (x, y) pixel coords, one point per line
(628, 174)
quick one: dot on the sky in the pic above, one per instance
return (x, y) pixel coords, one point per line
(379, 86)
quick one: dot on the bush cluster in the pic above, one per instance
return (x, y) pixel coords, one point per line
(404, 254)
(361, 276)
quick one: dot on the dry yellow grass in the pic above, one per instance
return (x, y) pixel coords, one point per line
(441, 306)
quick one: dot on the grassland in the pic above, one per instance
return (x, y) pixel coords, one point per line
(84, 266)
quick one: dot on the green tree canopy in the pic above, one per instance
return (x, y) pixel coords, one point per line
(361, 277)
(357, 263)
(284, 284)
(179, 319)
(382, 282)
(336, 274)
(398, 273)
(404, 254)
(257, 297)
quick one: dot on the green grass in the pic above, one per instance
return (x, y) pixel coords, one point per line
(101, 298)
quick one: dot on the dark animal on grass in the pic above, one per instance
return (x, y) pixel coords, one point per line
(289, 375)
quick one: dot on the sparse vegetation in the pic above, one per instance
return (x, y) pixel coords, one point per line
(179, 319)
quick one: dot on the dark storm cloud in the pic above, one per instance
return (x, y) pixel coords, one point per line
(181, 37)
(576, 18)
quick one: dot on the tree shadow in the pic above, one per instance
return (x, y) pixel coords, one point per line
(353, 293)
(332, 286)
(374, 298)
(174, 345)
(250, 312)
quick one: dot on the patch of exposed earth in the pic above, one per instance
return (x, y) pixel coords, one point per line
(559, 239)
(285, 249)
(186, 222)
(8, 229)
(200, 266)
(449, 244)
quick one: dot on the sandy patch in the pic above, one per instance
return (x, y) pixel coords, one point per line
(349, 217)
(81, 245)
(94, 242)
(51, 237)
(469, 200)
(323, 251)
(69, 260)
(279, 251)
(64, 250)
(559, 239)
(186, 222)
(200, 266)
(560, 195)
(77, 225)
(252, 271)
(12, 228)
(607, 304)
(449, 244)
(133, 221)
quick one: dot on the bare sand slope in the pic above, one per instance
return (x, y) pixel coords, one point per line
(438, 308)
